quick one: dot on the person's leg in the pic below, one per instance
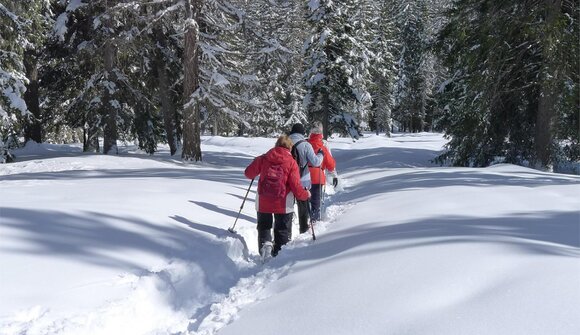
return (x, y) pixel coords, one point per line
(264, 229)
(303, 214)
(282, 231)
(315, 202)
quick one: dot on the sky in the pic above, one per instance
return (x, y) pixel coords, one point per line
(139, 244)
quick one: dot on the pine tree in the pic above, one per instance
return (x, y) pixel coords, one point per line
(337, 66)
(100, 49)
(166, 71)
(501, 99)
(411, 87)
(191, 113)
(13, 109)
(214, 83)
(39, 15)
(274, 38)
(381, 18)
(155, 72)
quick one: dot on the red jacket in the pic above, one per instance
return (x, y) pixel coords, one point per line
(317, 173)
(282, 205)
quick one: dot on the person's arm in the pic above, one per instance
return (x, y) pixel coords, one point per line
(330, 165)
(253, 170)
(295, 185)
(314, 159)
(329, 162)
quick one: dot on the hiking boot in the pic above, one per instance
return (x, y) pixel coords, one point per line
(266, 251)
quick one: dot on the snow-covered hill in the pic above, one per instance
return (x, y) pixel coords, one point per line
(137, 244)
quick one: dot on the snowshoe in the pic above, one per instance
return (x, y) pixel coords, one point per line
(266, 252)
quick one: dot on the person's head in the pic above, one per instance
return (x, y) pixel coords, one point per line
(316, 128)
(298, 128)
(285, 142)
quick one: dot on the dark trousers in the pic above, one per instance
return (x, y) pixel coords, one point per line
(303, 214)
(315, 191)
(282, 230)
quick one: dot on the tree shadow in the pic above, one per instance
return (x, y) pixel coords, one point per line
(251, 196)
(434, 178)
(227, 212)
(217, 232)
(382, 158)
(547, 233)
(223, 176)
(105, 240)
(219, 158)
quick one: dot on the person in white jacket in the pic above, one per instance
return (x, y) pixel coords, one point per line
(306, 156)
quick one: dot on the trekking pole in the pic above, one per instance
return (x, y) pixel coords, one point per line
(231, 229)
(322, 186)
(323, 191)
(311, 223)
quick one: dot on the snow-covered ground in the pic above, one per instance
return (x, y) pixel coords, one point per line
(138, 244)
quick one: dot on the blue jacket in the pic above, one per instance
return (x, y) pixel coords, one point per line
(307, 156)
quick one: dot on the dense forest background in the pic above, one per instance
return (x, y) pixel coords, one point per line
(500, 78)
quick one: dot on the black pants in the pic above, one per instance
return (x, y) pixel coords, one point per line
(315, 191)
(282, 230)
(303, 214)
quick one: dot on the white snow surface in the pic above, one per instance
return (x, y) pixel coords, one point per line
(138, 244)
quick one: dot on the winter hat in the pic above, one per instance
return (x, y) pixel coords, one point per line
(316, 128)
(297, 128)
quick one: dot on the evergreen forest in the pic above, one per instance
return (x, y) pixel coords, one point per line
(499, 78)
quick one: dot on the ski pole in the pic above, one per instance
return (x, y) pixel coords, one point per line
(321, 194)
(231, 229)
(311, 222)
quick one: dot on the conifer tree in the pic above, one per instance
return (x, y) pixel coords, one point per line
(381, 18)
(99, 49)
(337, 66)
(191, 113)
(274, 37)
(166, 73)
(13, 109)
(39, 15)
(411, 88)
(215, 64)
(501, 99)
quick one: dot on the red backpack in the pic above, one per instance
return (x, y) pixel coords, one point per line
(273, 182)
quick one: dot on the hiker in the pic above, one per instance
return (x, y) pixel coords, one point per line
(317, 172)
(306, 156)
(279, 183)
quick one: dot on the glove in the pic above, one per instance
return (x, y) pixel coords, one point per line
(335, 182)
(321, 152)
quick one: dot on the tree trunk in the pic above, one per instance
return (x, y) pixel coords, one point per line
(110, 132)
(422, 109)
(33, 129)
(325, 114)
(383, 107)
(548, 95)
(215, 131)
(90, 136)
(110, 110)
(167, 106)
(191, 116)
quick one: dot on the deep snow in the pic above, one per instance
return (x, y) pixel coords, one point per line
(138, 244)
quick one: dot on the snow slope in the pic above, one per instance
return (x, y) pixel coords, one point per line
(138, 244)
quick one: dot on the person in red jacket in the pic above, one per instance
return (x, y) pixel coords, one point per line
(279, 183)
(317, 173)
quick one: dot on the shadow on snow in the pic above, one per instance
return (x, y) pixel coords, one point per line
(104, 240)
(551, 234)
